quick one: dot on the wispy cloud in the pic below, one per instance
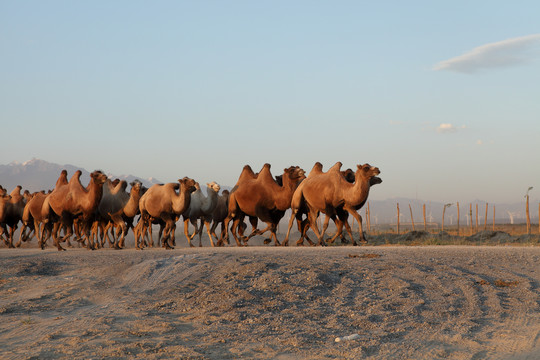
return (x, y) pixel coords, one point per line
(498, 54)
(448, 128)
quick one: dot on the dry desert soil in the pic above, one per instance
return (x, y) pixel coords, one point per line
(263, 302)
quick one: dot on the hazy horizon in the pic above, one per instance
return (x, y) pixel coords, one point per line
(442, 97)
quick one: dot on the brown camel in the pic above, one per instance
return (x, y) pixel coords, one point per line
(301, 208)
(12, 212)
(72, 201)
(331, 194)
(32, 219)
(343, 216)
(264, 198)
(164, 203)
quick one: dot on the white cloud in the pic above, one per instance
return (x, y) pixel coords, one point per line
(446, 128)
(498, 54)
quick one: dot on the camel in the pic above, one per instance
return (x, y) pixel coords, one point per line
(12, 212)
(219, 214)
(164, 203)
(72, 200)
(123, 218)
(4, 201)
(112, 201)
(200, 207)
(331, 194)
(349, 176)
(303, 225)
(264, 198)
(32, 219)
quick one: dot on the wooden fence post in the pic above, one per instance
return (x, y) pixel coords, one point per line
(412, 219)
(476, 227)
(457, 218)
(368, 216)
(398, 218)
(470, 218)
(424, 212)
(528, 216)
(493, 217)
(485, 218)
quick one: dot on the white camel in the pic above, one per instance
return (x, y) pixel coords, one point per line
(200, 207)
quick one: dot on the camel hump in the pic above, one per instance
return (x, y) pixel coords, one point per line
(62, 179)
(265, 174)
(76, 176)
(336, 167)
(317, 168)
(246, 174)
(16, 191)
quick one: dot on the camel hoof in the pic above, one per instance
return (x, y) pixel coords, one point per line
(267, 241)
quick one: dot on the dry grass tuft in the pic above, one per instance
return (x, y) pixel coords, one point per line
(365, 256)
(498, 283)
(502, 283)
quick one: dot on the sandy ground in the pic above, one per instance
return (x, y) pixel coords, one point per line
(262, 302)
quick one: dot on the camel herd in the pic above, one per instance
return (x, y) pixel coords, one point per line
(103, 211)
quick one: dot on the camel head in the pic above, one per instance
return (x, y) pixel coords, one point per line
(375, 180)
(136, 185)
(367, 171)
(295, 173)
(214, 186)
(189, 184)
(98, 176)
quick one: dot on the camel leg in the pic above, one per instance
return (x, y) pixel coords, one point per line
(201, 228)
(169, 223)
(344, 218)
(358, 218)
(207, 224)
(55, 231)
(313, 215)
(186, 232)
(274, 235)
(303, 227)
(197, 230)
(24, 227)
(234, 229)
(213, 231)
(291, 220)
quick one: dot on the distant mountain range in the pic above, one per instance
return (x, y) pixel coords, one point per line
(36, 175)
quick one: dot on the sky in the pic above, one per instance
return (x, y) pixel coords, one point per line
(443, 97)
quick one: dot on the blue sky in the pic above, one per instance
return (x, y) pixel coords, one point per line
(442, 96)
